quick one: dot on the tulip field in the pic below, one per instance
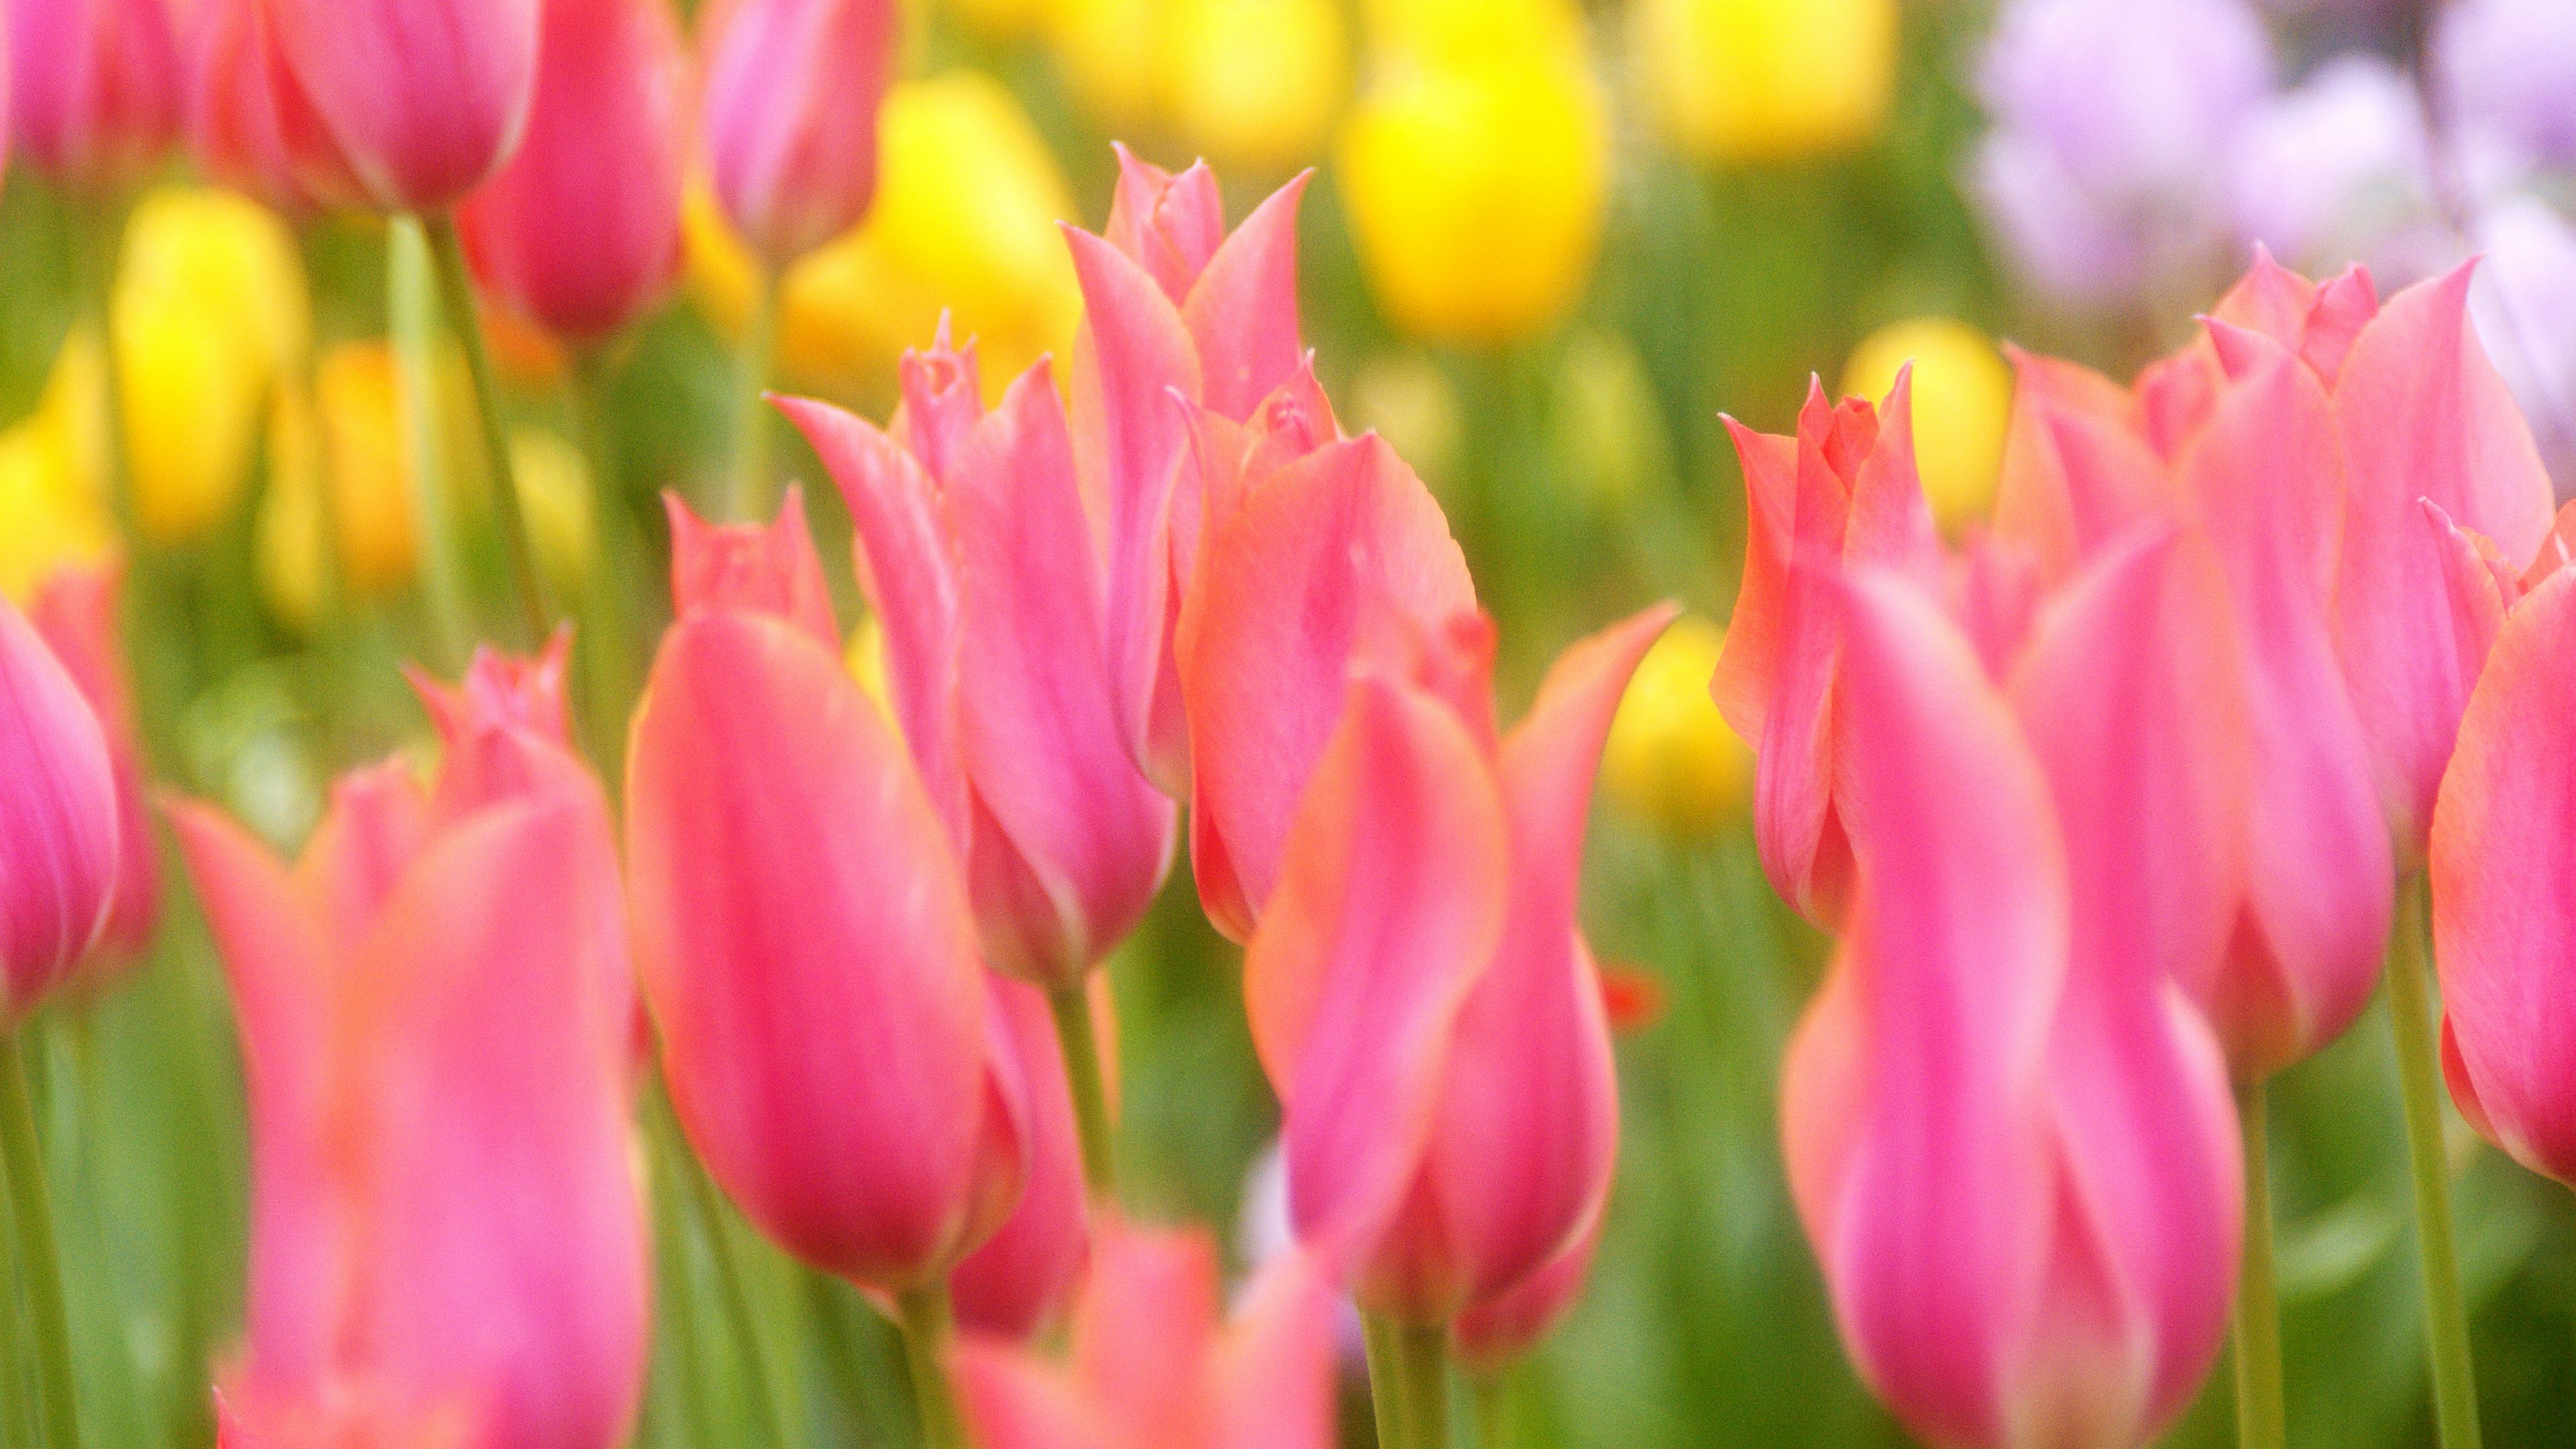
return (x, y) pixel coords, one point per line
(1281, 724)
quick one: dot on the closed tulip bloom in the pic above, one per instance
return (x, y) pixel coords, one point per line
(75, 612)
(803, 938)
(431, 1066)
(1153, 1366)
(1734, 81)
(1022, 1281)
(2007, 1130)
(580, 231)
(95, 91)
(422, 99)
(790, 116)
(1254, 83)
(1672, 758)
(980, 560)
(59, 842)
(1963, 398)
(1493, 1335)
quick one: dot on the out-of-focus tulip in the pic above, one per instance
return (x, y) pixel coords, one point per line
(1962, 400)
(59, 841)
(964, 221)
(94, 91)
(1254, 83)
(1464, 32)
(1672, 758)
(982, 564)
(2505, 68)
(2337, 167)
(790, 116)
(53, 467)
(236, 134)
(1475, 193)
(210, 316)
(357, 390)
(555, 496)
(2003, 1032)
(1734, 81)
(1497, 1333)
(802, 934)
(1023, 1279)
(1105, 49)
(1152, 1365)
(75, 612)
(1435, 1031)
(431, 1060)
(580, 231)
(421, 99)
(290, 538)
(2525, 300)
(1000, 20)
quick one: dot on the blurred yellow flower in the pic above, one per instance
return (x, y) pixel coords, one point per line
(53, 473)
(1254, 84)
(1766, 80)
(357, 390)
(554, 493)
(1106, 50)
(1465, 32)
(1404, 397)
(288, 539)
(865, 658)
(1475, 192)
(1000, 19)
(1962, 404)
(1610, 428)
(210, 311)
(1672, 759)
(967, 203)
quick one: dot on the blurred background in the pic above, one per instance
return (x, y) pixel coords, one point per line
(1547, 244)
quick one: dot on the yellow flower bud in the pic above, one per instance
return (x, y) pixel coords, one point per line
(71, 413)
(1466, 32)
(865, 658)
(1106, 50)
(210, 310)
(1962, 404)
(1672, 759)
(1254, 84)
(554, 494)
(1475, 193)
(1767, 80)
(1406, 399)
(48, 514)
(357, 390)
(967, 203)
(1610, 429)
(288, 537)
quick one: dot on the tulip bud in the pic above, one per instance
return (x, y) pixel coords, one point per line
(1254, 83)
(555, 494)
(803, 935)
(580, 231)
(790, 116)
(75, 612)
(94, 96)
(1024, 1277)
(357, 392)
(58, 835)
(50, 488)
(1963, 397)
(1672, 758)
(417, 125)
(1735, 81)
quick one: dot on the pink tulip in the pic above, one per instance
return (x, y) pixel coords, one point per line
(1152, 1367)
(2008, 1132)
(432, 1068)
(1493, 1335)
(580, 231)
(94, 99)
(422, 99)
(1024, 1277)
(250, 124)
(59, 845)
(793, 88)
(1179, 317)
(75, 611)
(979, 559)
(803, 937)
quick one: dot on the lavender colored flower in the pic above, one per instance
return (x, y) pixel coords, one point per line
(2524, 302)
(2508, 67)
(2336, 171)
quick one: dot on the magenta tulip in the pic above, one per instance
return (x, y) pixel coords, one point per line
(59, 841)
(75, 611)
(421, 99)
(95, 90)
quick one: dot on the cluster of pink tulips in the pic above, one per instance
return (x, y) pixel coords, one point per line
(2115, 809)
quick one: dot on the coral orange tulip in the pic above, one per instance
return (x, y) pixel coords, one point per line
(59, 843)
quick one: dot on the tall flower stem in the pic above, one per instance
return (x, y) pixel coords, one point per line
(928, 1325)
(732, 1280)
(1081, 1043)
(2446, 1317)
(2261, 1416)
(411, 305)
(40, 1267)
(1491, 1395)
(1384, 1338)
(747, 487)
(456, 295)
(16, 1373)
(1423, 1364)
(609, 648)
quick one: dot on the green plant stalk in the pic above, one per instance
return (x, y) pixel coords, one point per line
(456, 296)
(928, 1325)
(2261, 1416)
(1491, 1396)
(609, 649)
(1082, 1068)
(39, 1263)
(411, 309)
(17, 1375)
(2446, 1317)
(1384, 1339)
(1423, 1361)
(747, 496)
(731, 1280)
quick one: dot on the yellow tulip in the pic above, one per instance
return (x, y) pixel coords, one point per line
(1466, 32)
(71, 413)
(967, 202)
(1254, 84)
(1671, 758)
(1962, 404)
(1105, 48)
(290, 535)
(1610, 432)
(53, 503)
(1767, 80)
(209, 310)
(554, 494)
(865, 658)
(1474, 194)
(1405, 398)
(357, 391)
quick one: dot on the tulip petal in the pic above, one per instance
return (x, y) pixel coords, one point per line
(1013, 1402)
(771, 568)
(1748, 667)
(1242, 311)
(2033, 505)
(1025, 1274)
(1169, 225)
(424, 99)
(58, 820)
(1274, 1373)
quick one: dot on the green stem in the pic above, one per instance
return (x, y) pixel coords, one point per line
(679, 1379)
(456, 294)
(2261, 1418)
(1491, 1396)
(747, 497)
(1081, 1043)
(1384, 1339)
(927, 1327)
(609, 649)
(411, 306)
(17, 1375)
(734, 1282)
(2446, 1318)
(1423, 1359)
(40, 1265)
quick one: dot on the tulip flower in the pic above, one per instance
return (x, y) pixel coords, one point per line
(59, 844)
(1151, 1365)
(52, 462)
(803, 936)
(95, 91)
(1963, 398)
(1734, 81)
(1497, 1333)
(236, 134)
(2008, 1133)
(421, 100)
(1253, 83)
(75, 613)
(790, 116)
(1024, 1277)
(580, 231)
(432, 1065)
(1671, 757)
(1420, 994)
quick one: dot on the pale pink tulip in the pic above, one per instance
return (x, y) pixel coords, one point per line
(422, 99)
(790, 120)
